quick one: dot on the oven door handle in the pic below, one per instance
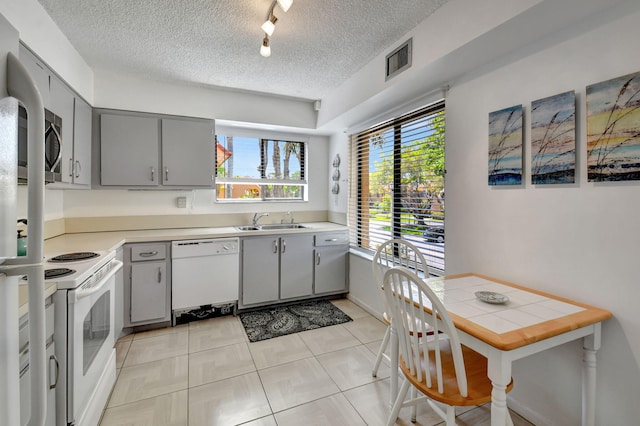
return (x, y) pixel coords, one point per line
(81, 292)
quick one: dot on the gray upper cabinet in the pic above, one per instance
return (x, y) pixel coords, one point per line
(81, 143)
(59, 98)
(187, 152)
(129, 150)
(62, 100)
(39, 71)
(149, 150)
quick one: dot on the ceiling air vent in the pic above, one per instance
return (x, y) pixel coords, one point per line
(398, 60)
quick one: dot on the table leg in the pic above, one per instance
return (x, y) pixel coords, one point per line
(500, 375)
(591, 344)
(394, 349)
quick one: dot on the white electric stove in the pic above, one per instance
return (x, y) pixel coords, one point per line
(84, 332)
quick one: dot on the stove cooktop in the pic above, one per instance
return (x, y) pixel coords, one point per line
(82, 265)
(57, 273)
(73, 257)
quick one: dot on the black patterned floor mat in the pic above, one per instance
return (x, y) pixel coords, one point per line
(278, 321)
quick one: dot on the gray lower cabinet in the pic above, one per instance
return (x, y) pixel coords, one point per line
(296, 266)
(150, 150)
(147, 284)
(330, 263)
(260, 270)
(276, 268)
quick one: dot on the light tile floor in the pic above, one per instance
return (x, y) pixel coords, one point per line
(208, 373)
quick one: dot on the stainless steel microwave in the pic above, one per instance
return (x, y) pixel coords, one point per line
(52, 151)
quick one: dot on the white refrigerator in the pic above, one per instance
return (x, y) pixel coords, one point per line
(17, 87)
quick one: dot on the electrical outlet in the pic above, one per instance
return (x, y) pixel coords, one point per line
(181, 202)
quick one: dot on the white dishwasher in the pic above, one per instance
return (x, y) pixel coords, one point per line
(204, 273)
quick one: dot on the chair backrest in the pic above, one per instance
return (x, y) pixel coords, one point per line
(407, 297)
(397, 252)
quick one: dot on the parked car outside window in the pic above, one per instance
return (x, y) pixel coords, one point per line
(434, 234)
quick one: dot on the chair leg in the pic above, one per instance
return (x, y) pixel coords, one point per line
(509, 419)
(383, 346)
(398, 404)
(451, 416)
(414, 407)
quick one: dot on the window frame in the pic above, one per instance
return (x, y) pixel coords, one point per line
(360, 209)
(265, 136)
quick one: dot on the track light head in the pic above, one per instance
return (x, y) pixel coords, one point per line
(270, 25)
(265, 49)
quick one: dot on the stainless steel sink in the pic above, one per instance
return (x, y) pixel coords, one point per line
(283, 226)
(268, 227)
(248, 228)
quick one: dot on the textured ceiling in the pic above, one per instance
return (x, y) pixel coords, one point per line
(316, 45)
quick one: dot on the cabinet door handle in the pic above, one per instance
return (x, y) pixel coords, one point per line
(284, 246)
(153, 173)
(317, 258)
(53, 358)
(159, 275)
(275, 246)
(166, 174)
(78, 169)
(148, 253)
(70, 167)
(331, 240)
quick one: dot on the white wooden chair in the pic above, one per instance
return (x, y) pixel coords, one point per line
(393, 253)
(447, 373)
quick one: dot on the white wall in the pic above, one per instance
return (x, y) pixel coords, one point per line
(579, 241)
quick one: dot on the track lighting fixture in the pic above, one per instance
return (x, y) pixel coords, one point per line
(265, 49)
(269, 25)
(285, 4)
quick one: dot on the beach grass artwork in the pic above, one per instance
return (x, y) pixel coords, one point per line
(553, 139)
(613, 129)
(505, 146)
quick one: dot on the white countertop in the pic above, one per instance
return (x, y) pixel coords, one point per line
(96, 241)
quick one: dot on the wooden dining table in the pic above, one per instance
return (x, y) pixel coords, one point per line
(530, 322)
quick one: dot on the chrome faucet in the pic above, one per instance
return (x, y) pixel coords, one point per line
(290, 215)
(257, 216)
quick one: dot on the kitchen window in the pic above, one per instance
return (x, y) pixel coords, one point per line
(396, 184)
(260, 169)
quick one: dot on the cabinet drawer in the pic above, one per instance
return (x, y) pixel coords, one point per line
(332, 238)
(142, 252)
(23, 333)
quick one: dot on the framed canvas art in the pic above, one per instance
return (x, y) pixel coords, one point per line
(613, 129)
(553, 139)
(505, 146)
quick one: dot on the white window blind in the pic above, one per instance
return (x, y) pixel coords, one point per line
(396, 185)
